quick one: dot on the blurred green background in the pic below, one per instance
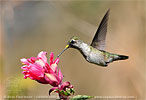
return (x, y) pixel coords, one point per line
(28, 27)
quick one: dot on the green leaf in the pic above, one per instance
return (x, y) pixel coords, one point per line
(81, 97)
(72, 90)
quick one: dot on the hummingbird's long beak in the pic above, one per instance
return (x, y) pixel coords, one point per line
(66, 47)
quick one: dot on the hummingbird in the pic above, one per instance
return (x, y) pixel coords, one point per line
(95, 52)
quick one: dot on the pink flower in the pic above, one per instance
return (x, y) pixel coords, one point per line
(64, 90)
(62, 87)
(37, 68)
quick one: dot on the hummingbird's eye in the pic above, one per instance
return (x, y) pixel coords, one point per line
(72, 41)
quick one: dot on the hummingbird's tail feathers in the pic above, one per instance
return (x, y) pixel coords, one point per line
(116, 57)
(122, 57)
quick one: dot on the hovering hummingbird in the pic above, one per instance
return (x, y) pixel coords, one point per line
(95, 52)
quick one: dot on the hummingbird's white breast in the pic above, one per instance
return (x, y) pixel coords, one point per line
(96, 58)
(85, 48)
(92, 55)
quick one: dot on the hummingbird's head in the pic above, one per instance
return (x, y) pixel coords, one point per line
(74, 42)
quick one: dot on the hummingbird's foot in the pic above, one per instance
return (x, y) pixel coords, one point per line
(106, 63)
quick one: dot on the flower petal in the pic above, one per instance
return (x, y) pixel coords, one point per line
(33, 59)
(51, 58)
(24, 61)
(65, 85)
(56, 61)
(25, 67)
(60, 75)
(40, 63)
(42, 56)
(54, 68)
(36, 71)
(51, 77)
(52, 89)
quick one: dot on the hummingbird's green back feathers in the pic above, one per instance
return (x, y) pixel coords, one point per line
(98, 41)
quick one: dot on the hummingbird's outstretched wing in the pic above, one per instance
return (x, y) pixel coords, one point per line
(99, 38)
